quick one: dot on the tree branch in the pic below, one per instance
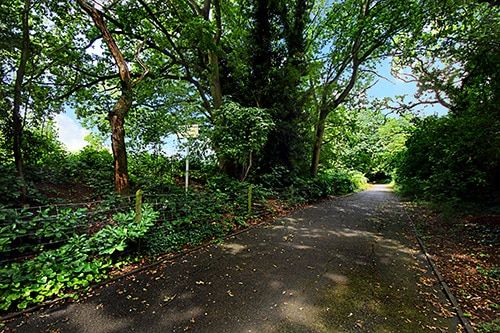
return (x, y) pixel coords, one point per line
(86, 85)
(139, 61)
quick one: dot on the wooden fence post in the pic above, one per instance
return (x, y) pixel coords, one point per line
(250, 188)
(138, 206)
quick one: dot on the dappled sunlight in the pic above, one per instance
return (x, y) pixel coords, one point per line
(337, 278)
(349, 233)
(233, 248)
(324, 269)
(380, 188)
(302, 247)
(291, 219)
(181, 315)
(300, 311)
(91, 315)
(283, 225)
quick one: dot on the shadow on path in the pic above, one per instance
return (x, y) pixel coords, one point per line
(343, 265)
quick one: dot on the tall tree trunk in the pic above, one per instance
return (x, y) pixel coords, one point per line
(325, 108)
(17, 123)
(213, 59)
(117, 121)
(215, 84)
(261, 52)
(122, 107)
(318, 141)
(279, 91)
(228, 166)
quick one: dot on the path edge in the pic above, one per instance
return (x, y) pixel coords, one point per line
(444, 286)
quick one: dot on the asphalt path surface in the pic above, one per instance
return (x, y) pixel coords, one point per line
(348, 264)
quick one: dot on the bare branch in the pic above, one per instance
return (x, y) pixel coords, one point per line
(141, 63)
(365, 70)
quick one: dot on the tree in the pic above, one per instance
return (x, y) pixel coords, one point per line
(18, 89)
(120, 110)
(356, 34)
(185, 38)
(457, 61)
(361, 137)
(32, 47)
(264, 64)
(279, 64)
(241, 133)
(182, 42)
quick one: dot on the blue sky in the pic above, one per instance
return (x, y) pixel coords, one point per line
(395, 87)
(71, 133)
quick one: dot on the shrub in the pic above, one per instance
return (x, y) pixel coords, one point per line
(240, 134)
(10, 185)
(327, 182)
(189, 219)
(451, 157)
(32, 230)
(90, 166)
(358, 179)
(154, 173)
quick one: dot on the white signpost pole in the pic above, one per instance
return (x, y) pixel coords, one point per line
(186, 182)
(192, 132)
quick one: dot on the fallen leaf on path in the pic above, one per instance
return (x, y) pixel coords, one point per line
(167, 299)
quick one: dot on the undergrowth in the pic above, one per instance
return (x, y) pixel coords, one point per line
(58, 252)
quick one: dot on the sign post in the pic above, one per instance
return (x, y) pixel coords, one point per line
(186, 176)
(191, 132)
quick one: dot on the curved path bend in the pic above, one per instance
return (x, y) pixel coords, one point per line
(349, 264)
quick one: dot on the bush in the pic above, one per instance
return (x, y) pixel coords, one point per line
(154, 173)
(32, 230)
(42, 152)
(90, 166)
(10, 185)
(278, 178)
(451, 158)
(240, 134)
(190, 219)
(327, 182)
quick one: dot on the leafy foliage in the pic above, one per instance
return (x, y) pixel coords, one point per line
(364, 140)
(456, 157)
(326, 183)
(74, 265)
(240, 133)
(25, 227)
(90, 166)
(298, 190)
(198, 216)
(450, 157)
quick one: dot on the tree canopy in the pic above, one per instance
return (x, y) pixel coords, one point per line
(274, 84)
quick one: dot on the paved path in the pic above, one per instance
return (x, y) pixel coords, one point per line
(343, 265)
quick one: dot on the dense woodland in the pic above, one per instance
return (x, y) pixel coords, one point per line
(279, 91)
